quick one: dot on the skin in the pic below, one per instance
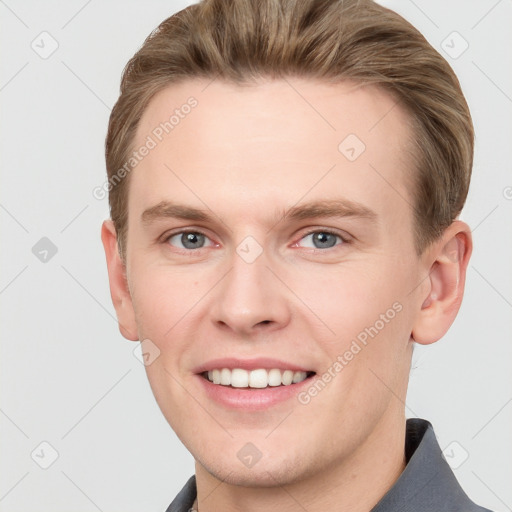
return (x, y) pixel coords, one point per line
(246, 155)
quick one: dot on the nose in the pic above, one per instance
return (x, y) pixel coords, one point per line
(250, 298)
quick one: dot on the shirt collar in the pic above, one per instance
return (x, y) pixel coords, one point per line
(427, 482)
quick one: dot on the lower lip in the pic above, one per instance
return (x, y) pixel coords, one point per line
(252, 399)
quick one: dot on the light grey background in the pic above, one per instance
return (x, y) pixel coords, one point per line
(69, 379)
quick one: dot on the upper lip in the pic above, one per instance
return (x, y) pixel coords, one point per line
(249, 364)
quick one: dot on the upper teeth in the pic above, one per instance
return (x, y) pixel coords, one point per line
(260, 378)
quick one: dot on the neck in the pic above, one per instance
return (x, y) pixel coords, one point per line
(355, 484)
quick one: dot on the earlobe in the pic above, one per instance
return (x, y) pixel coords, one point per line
(119, 291)
(449, 259)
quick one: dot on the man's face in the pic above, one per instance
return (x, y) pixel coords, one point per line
(263, 275)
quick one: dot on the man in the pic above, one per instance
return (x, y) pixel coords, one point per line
(284, 181)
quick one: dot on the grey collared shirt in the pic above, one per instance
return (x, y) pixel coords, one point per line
(427, 483)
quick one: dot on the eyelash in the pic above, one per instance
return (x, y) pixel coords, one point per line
(344, 239)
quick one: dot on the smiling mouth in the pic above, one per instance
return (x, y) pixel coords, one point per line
(255, 379)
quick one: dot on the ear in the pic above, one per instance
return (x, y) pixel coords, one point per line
(447, 260)
(119, 290)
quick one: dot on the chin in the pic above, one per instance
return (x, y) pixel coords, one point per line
(265, 473)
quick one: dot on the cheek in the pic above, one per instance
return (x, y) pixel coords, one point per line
(364, 326)
(350, 298)
(162, 298)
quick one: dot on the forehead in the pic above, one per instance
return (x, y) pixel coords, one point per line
(274, 141)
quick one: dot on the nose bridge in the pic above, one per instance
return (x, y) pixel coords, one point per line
(250, 296)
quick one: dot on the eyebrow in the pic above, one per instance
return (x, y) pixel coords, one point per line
(310, 210)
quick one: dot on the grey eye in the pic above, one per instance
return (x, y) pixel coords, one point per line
(322, 239)
(188, 240)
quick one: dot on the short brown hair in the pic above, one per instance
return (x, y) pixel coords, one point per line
(358, 40)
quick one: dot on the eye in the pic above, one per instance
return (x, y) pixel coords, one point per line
(322, 239)
(189, 240)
